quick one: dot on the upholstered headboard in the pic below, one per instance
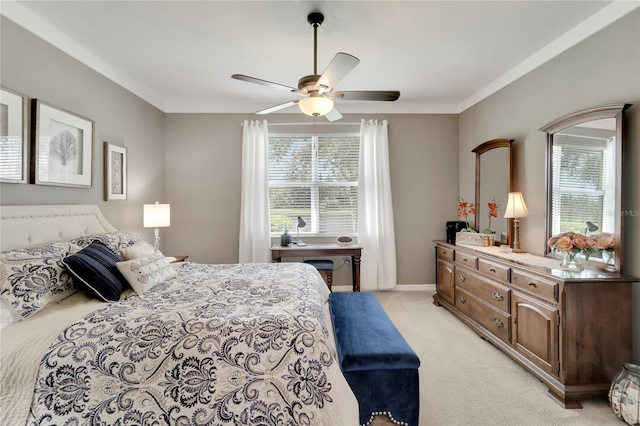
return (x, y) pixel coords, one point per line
(30, 226)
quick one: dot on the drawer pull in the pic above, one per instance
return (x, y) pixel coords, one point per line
(443, 252)
(464, 259)
(492, 270)
(461, 278)
(531, 284)
(462, 299)
(498, 296)
(498, 323)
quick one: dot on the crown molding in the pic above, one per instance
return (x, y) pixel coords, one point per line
(606, 16)
(17, 13)
(31, 22)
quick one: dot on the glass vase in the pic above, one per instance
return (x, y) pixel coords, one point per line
(624, 394)
(572, 261)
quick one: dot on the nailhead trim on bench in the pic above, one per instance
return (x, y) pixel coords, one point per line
(384, 413)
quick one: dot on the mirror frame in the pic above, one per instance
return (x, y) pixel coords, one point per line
(479, 150)
(615, 111)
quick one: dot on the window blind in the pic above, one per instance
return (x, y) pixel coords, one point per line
(316, 177)
(579, 180)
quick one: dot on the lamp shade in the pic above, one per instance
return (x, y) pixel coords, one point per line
(301, 222)
(316, 105)
(157, 215)
(516, 206)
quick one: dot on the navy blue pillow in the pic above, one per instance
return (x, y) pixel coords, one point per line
(95, 267)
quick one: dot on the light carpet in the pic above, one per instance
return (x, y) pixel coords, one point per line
(464, 380)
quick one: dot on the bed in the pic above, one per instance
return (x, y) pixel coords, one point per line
(190, 344)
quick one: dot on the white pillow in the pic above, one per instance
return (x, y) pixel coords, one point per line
(137, 250)
(145, 272)
(7, 314)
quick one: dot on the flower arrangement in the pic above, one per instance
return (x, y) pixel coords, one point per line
(588, 245)
(466, 208)
(494, 207)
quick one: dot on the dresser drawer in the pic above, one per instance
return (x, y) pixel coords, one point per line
(535, 285)
(445, 253)
(492, 293)
(494, 270)
(466, 259)
(496, 322)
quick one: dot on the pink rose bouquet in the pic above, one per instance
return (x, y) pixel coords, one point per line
(588, 245)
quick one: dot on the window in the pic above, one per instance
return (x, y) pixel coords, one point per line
(315, 177)
(581, 176)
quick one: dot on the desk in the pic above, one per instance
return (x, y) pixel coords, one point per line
(310, 250)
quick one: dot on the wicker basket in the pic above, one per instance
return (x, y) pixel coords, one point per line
(474, 239)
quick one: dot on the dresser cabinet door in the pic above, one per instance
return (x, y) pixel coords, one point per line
(535, 331)
(445, 281)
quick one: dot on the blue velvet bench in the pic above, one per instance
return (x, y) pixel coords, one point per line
(376, 360)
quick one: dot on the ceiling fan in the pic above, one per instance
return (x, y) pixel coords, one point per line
(318, 89)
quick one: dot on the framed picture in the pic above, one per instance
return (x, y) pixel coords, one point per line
(61, 147)
(115, 172)
(13, 137)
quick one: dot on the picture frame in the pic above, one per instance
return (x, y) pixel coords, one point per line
(115, 172)
(13, 136)
(62, 147)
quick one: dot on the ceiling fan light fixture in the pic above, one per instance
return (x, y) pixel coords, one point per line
(315, 105)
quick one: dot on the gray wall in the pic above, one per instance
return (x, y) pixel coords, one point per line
(602, 69)
(203, 182)
(32, 67)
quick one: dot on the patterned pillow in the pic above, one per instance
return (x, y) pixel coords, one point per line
(95, 267)
(32, 278)
(114, 240)
(145, 272)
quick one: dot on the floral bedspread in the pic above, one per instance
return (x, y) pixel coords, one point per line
(219, 344)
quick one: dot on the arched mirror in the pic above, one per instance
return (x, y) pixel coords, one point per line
(584, 180)
(493, 184)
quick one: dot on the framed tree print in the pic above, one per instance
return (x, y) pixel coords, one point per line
(61, 147)
(13, 137)
(115, 172)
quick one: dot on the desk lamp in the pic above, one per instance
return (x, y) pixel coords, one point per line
(301, 224)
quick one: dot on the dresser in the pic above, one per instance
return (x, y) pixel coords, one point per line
(572, 330)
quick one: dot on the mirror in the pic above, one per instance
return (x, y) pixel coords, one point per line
(584, 180)
(493, 184)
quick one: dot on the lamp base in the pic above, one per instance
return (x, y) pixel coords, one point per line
(156, 233)
(516, 235)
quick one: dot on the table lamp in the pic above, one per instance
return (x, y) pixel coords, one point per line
(516, 208)
(157, 216)
(301, 224)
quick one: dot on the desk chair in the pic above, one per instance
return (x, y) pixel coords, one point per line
(325, 266)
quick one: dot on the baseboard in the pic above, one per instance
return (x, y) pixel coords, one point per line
(399, 287)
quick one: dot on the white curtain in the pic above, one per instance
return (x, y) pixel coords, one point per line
(255, 237)
(375, 212)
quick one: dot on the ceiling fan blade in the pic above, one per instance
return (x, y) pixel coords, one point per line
(263, 82)
(333, 115)
(277, 107)
(367, 95)
(340, 66)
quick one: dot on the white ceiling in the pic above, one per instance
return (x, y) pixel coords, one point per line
(443, 56)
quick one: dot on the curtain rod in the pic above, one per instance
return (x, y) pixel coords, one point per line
(306, 124)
